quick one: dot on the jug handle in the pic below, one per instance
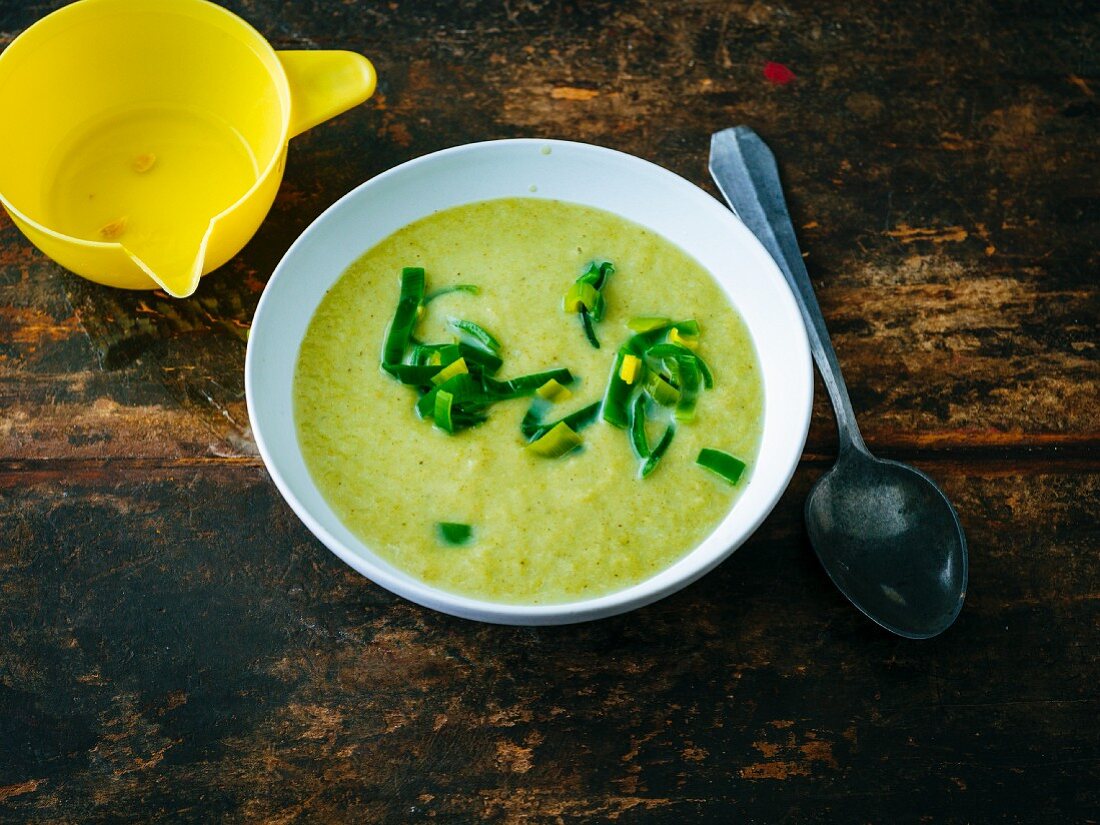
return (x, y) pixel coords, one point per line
(323, 84)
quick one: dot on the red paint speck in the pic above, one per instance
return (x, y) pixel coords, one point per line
(777, 73)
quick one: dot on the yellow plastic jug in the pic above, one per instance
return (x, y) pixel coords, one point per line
(144, 140)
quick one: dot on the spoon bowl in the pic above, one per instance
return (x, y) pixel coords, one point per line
(891, 541)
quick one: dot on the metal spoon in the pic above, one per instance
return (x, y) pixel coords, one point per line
(884, 532)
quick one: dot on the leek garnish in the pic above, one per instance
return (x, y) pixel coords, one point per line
(526, 384)
(454, 533)
(631, 368)
(452, 369)
(532, 419)
(452, 379)
(404, 319)
(642, 341)
(658, 451)
(657, 362)
(689, 341)
(556, 442)
(637, 428)
(552, 390)
(589, 329)
(586, 298)
(478, 333)
(648, 323)
(661, 390)
(533, 428)
(708, 376)
(486, 361)
(722, 464)
(442, 411)
(583, 417)
(581, 296)
(617, 397)
(413, 375)
(681, 354)
(447, 290)
(462, 387)
(690, 379)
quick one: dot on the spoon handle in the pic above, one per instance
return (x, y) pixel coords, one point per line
(744, 168)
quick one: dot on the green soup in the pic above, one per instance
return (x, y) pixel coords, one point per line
(545, 530)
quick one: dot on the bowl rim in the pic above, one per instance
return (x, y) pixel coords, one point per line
(632, 597)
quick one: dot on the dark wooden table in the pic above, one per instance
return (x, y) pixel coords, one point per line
(177, 647)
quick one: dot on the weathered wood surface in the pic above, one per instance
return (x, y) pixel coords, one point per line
(177, 647)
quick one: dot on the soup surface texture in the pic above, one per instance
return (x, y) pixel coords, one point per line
(544, 530)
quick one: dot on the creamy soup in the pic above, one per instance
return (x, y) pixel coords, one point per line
(544, 530)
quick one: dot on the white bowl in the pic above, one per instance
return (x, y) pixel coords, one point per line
(591, 175)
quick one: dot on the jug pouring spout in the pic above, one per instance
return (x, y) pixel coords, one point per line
(174, 264)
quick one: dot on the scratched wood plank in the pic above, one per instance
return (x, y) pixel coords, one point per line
(945, 190)
(177, 647)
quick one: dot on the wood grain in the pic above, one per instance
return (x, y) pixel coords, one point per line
(177, 647)
(177, 633)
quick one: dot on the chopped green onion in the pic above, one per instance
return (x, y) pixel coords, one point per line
(708, 376)
(580, 296)
(463, 419)
(577, 421)
(558, 441)
(617, 395)
(637, 428)
(690, 379)
(404, 318)
(485, 360)
(453, 533)
(449, 353)
(670, 351)
(682, 353)
(723, 464)
(526, 384)
(532, 419)
(422, 355)
(597, 273)
(658, 451)
(689, 341)
(477, 332)
(413, 375)
(553, 390)
(631, 369)
(648, 323)
(439, 355)
(589, 330)
(662, 390)
(584, 297)
(442, 412)
(452, 380)
(462, 387)
(673, 374)
(583, 417)
(450, 371)
(672, 371)
(447, 290)
(638, 344)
